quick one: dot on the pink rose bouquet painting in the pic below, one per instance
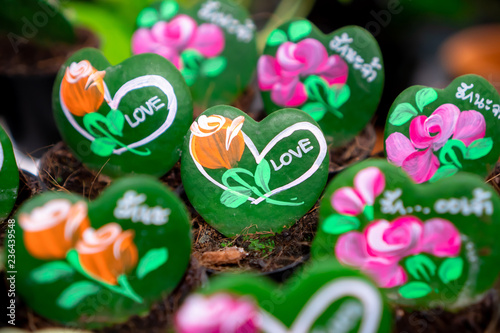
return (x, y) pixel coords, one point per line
(303, 74)
(405, 253)
(431, 150)
(194, 49)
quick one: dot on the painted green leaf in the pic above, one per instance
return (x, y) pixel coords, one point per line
(234, 175)
(402, 114)
(213, 66)
(443, 172)
(479, 148)
(153, 259)
(337, 97)
(420, 266)
(91, 121)
(299, 29)
(189, 76)
(451, 269)
(75, 293)
(315, 109)
(147, 18)
(425, 97)
(448, 154)
(263, 175)
(168, 9)
(415, 289)
(102, 146)
(235, 196)
(276, 37)
(116, 121)
(338, 224)
(192, 59)
(51, 272)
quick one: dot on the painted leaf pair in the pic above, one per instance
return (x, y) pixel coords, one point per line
(414, 241)
(242, 175)
(324, 298)
(211, 43)
(449, 130)
(337, 79)
(128, 248)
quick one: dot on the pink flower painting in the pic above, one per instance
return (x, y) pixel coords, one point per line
(295, 61)
(447, 125)
(171, 39)
(378, 250)
(218, 313)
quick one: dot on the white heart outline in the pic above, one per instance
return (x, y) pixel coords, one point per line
(368, 294)
(136, 83)
(318, 134)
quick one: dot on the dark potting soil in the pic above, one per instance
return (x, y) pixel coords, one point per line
(356, 150)
(41, 59)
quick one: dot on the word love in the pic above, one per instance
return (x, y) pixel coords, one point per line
(286, 158)
(132, 207)
(141, 112)
(480, 204)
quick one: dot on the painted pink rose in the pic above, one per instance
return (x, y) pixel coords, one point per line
(368, 184)
(218, 313)
(379, 249)
(429, 134)
(170, 39)
(281, 75)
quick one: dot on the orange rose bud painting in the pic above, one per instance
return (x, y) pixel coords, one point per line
(52, 230)
(108, 252)
(94, 264)
(82, 88)
(217, 141)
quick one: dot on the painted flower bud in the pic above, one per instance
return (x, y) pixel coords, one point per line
(52, 230)
(108, 252)
(217, 313)
(217, 141)
(82, 88)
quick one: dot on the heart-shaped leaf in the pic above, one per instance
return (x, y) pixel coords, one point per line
(402, 114)
(346, 67)
(221, 32)
(129, 118)
(241, 173)
(455, 130)
(417, 240)
(130, 247)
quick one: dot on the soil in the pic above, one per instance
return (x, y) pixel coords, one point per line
(33, 58)
(356, 150)
(494, 178)
(477, 318)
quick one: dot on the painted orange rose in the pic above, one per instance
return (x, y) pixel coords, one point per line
(50, 231)
(107, 252)
(217, 141)
(82, 88)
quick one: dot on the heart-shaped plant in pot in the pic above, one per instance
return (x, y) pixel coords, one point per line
(129, 118)
(241, 175)
(421, 243)
(434, 133)
(211, 42)
(323, 298)
(99, 263)
(336, 78)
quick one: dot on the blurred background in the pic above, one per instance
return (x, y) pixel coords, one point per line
(425, 42)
